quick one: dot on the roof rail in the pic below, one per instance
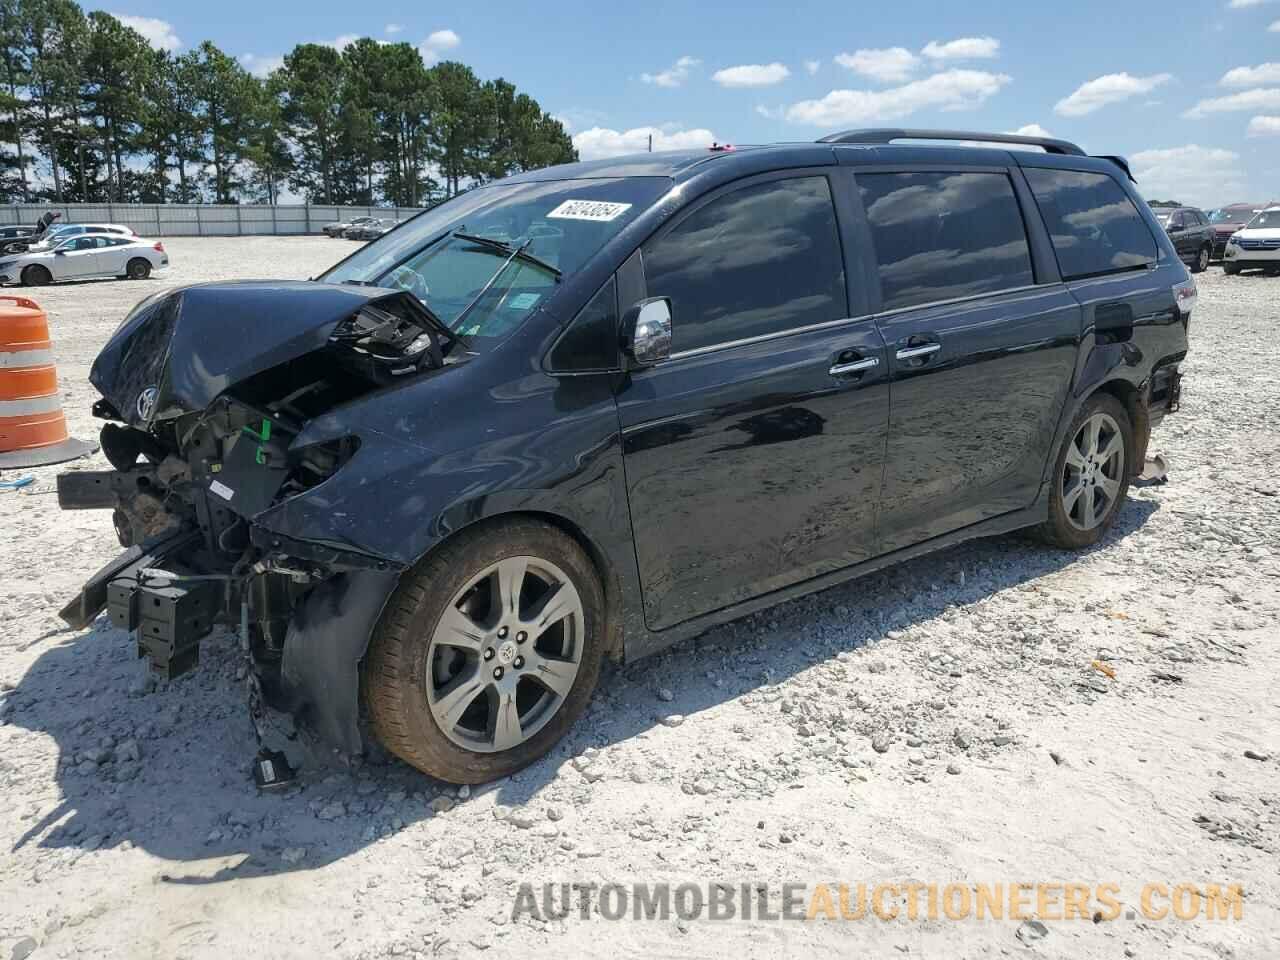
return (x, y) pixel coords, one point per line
(888, 135)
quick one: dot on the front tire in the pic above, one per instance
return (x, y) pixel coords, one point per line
(36, 276)
(138, 269)
(487, 652)
(1202, 260)
(1230, 269)
(1091, 474)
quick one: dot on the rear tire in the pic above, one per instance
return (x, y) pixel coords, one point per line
(36, 276)
(455, 673)
(1091, 474)
(1202, 260)
(138, 269)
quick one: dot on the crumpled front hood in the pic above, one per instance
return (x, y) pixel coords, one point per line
(178, 350)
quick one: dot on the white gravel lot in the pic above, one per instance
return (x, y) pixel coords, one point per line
(941, 721)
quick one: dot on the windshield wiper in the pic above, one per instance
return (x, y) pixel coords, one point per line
(501, 246)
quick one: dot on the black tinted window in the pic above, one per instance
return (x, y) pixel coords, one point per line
(939, 236)
(760, 260)
(591, 342)
(1095, 227)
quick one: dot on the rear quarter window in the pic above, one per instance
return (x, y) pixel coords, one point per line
(1094, 226)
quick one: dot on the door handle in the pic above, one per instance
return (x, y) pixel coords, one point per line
(915, 353)
(854, 366)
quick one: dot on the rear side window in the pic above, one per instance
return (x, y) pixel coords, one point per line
(940, 236)
(1094, 225)
(763, 259)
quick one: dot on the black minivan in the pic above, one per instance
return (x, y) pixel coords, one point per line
(590, 410)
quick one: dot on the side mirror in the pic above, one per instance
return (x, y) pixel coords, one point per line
(646, 331)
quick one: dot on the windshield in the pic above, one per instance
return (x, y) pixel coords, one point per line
(485, 260)
(1266, 220)
(1164, 218)
(1231, 215)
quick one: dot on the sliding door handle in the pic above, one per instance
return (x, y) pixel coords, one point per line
(915, 353)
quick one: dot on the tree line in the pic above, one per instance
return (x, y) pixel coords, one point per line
(90, 112)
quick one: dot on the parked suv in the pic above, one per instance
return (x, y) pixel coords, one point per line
(591, 410)
(1191, 233)
(1227, 220)
(1257, 245)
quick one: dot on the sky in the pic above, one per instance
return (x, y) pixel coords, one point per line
(1188, 91)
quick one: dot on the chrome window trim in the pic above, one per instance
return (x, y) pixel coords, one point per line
(830, 324)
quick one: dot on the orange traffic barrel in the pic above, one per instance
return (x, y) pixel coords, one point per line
(33, 429)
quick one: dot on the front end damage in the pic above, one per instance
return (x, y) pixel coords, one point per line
(208, 392)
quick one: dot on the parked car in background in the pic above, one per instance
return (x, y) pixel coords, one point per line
(1191, 233)
(1257, 245)
(370, 230)
(589, 410)
(55, 235)
(14, 239)
(339, 228)
(1227, 220)
(84, 256)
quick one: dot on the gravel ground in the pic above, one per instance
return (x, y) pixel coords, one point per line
(996, 713)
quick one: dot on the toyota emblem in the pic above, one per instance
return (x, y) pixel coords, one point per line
(147, 404)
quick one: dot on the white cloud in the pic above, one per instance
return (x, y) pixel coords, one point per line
(1191, 174)
(1264, 127)
(966, 48)
(341, 42)
(1244, 4)
(1032, 130)
(674, 75)
(812, 66)
(1264, 98)
(1257, 76)
(260, 66)
(1102, 91)
(771, 113)
(393, 28)
(949, 90)
(602, 142)
(751, 75)
(436, 44)
(158, 33)
(1274, 28)
(890, 65)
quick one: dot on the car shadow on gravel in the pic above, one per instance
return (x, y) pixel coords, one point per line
(167, 769)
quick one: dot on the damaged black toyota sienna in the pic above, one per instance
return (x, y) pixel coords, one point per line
(587, 411)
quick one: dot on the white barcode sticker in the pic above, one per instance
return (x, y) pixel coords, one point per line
(598, 210)
(221, 489)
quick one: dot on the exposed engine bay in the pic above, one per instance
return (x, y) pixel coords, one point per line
(202, 447)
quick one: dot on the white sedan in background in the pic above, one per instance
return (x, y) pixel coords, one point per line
(85, 256)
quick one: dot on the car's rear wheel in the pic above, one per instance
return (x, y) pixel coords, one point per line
(1202, 260)
(1091, 476)
(138, 269)
(487, 652)
(36, 276)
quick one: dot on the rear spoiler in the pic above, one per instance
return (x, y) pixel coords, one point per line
(1048, 144)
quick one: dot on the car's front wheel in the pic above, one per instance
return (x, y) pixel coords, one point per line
(487, 652)
(1231, 269)
(36, 276)
(1091, 476)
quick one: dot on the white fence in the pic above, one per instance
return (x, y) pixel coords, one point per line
(202, 219)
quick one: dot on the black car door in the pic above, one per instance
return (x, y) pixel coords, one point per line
(754, 455)
(981, 344)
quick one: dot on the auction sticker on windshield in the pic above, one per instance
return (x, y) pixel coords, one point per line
(598, 210)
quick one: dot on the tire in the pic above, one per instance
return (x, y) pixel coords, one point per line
(1202, 260)
(1087, 466)
(1230, 269)
(437, 697)
(36, 276)
(138, 269)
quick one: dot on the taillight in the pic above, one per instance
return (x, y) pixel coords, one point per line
(1184, 295)
(159, 247)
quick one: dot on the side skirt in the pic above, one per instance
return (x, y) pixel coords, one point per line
(651, 642)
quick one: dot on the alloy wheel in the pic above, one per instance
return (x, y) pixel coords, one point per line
(1203, 259)
(505, 654)
(1093, 473)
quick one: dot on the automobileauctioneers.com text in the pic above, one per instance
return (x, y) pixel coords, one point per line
(881, 902)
